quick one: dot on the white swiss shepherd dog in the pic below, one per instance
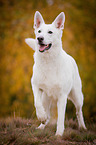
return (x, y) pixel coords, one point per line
(55, 73)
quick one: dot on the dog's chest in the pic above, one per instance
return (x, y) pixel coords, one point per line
(51, 86)
(53, 77)
(48, 77)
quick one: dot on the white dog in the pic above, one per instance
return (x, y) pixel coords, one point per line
(55, 73)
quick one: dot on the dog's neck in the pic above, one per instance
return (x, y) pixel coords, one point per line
(50, 55)
(47, 56)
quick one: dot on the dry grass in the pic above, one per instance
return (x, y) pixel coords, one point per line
(22, 132)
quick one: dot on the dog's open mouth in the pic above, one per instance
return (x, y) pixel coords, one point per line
(44, 47)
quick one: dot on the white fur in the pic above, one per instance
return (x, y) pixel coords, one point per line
(30, 42)
(55, 74)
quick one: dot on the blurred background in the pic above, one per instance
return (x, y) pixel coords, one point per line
(16, 58)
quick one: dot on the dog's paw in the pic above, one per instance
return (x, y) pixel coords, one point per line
(83, 128)
(59, 133)
(41, 115)
(41, 126)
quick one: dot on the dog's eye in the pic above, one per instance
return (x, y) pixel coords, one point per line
(39, 31)
(50, 32)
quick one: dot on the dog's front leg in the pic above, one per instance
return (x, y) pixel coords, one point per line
(40, 111)
(61, 106)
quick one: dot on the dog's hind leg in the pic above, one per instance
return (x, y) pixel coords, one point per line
(76, 96)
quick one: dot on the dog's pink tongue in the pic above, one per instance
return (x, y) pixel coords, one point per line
(42, 48)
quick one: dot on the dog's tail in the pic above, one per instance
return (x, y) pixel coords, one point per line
(30, 42)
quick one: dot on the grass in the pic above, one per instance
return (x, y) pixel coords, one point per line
(20, 131)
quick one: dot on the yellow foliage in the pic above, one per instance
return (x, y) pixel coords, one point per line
(16, 58)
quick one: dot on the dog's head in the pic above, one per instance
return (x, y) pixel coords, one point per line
(48, 35)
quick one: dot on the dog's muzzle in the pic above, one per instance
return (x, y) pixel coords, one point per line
(43, 47)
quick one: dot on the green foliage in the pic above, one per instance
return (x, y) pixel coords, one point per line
(16, 58)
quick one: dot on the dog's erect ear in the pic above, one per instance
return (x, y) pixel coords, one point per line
(38, 20)
(30, 42)
(59, 21)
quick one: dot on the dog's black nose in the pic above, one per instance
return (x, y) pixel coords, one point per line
(40, 39)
